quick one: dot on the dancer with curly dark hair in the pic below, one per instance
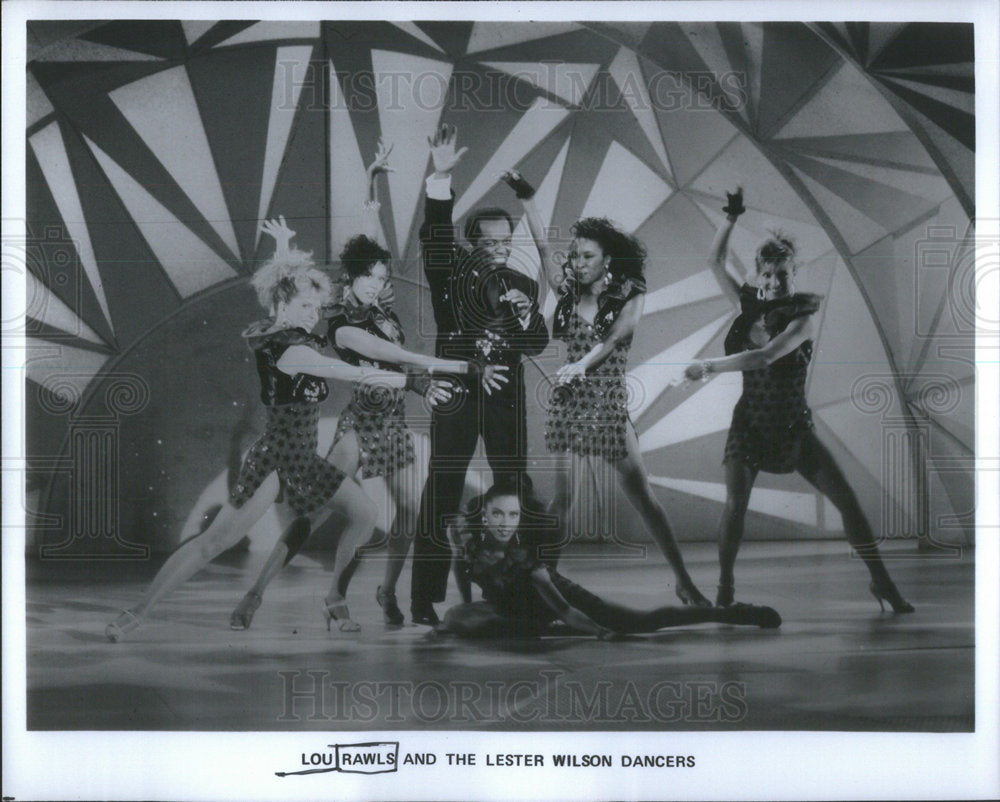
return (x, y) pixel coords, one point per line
(602, 288)
(771, 342)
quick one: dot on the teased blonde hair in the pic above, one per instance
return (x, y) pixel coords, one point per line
(280, 279)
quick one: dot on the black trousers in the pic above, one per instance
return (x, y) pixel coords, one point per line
(454, 434)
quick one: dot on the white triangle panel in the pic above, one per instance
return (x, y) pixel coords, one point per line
(68, 370)
(540, 120)
(279, 126)
(82, 50)
(37, 102)
(408, 111)
(708, 410)
(416, 32)
(698, 287)
(163, 110)
(523, 254)
(348, 181)
(265, 31)
(705, 38)
(630, 202)
(666, 369)
(628, 75)
(52, 157)
(833, 521)
(195, 29)
(46, 307)
(189, 262)
(857, 229)
(847, 104)
(492, 35)
(753, 45)
(548, 190)
(795, 507)
(566, 80)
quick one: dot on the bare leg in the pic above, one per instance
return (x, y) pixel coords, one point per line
(361, 514)
(817, 465)
(406, 496)
(568, 468)
(739, 482)
(634, 480)
(225, 531)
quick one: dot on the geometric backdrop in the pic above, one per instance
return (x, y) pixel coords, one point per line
(155, 147)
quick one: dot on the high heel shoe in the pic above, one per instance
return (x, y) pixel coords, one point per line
(889, 593)
(337, 611)
(690, 596)
(752, 614)
(724, 595)
(126, 622)
(243, 614)
(390, 607)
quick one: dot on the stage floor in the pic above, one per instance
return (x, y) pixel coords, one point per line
(837, 663)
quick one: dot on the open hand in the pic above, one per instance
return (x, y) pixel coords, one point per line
(437, 392)
(443, 151)
(279, 230)
(494, 377)
(381, 163)
(569, 372)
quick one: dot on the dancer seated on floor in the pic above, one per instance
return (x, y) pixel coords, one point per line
(522, 596)
(292, 374)
(371, 430)
(771, 342)
(601, 290)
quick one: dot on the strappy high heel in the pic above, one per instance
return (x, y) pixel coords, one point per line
(754, 615)
(390, 607)
(337, 611)
(690, 596)
(887, 592)
(724, 595)
(243, 614)
(126, 622)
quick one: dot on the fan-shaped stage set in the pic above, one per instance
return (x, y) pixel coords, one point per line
(157, 147)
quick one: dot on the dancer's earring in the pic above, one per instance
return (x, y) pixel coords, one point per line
(761, 293)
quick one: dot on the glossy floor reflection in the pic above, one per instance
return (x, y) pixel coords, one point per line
(837, 663)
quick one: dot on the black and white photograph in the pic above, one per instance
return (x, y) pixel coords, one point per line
(532, 401)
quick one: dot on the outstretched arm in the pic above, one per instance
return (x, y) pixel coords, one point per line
(798, 331)
(720, 246)
(526, 194)
(369, 211)
(621, 329)
(569, 614)
(303, 359)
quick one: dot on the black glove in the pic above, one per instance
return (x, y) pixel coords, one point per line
(735, 206)
(522, 189)
(419, 381)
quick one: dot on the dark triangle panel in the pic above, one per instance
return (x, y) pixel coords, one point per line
(923, 43)
(301, 192)
(858, 32)
(784, 90)
(43, 331)
(163, 38)
(220, 32)
(956, 122)
(83, 96)
(961, 83)
(233, 89)
(452, 36)
(51, 254)
(138, 291)
(574, 47)
(837, 35)
(899, 149)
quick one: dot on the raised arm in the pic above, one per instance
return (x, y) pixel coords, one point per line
(797, 332)
(623, 328)
(525, 192)
(720, 246)
(282, 234)
(303, 359)
(569, 614)
(370, 208)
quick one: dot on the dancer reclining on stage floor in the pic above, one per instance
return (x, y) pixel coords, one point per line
(522, 596)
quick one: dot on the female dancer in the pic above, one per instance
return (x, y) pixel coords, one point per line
(523, 596)
(292, 374)
(772, 343)
(602, 289)
(371, 430)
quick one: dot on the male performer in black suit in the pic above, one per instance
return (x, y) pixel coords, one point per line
(488, 313)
